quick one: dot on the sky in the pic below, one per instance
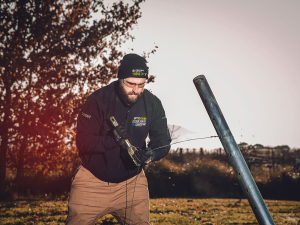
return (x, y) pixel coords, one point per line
(249, 52)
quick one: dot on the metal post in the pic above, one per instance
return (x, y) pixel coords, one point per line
(235, 157)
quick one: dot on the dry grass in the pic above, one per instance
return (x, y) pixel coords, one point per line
(163, 211)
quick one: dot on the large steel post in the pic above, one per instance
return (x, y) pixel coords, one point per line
(235, 157)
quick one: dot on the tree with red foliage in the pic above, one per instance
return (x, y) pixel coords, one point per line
(49, 51)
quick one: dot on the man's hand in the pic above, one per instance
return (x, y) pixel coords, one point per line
(120, 135)
(144, 157)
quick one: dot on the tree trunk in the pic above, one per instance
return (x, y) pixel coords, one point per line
(4, 146)
(20, 162)
(22, 156)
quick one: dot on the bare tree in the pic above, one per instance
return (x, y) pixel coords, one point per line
(172, 132)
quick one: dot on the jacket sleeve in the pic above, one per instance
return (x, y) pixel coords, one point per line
(159, 133)
(89, 125)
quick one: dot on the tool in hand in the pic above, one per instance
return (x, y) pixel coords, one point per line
(130, 148)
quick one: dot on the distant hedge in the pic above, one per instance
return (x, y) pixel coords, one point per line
(173, 176)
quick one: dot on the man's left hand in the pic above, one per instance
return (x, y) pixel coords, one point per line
(144, 157)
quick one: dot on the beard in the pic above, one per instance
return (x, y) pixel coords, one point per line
(129, 100)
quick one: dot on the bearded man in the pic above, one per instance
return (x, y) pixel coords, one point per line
(109, 179)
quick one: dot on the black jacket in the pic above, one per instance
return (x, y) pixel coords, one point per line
(98, 150)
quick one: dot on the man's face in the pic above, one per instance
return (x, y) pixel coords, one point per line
(131, 88)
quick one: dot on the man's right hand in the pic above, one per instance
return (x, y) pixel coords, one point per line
(120, 135)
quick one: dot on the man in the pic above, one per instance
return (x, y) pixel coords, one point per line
(108, 181)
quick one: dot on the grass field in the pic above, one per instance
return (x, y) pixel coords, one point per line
(163, 211)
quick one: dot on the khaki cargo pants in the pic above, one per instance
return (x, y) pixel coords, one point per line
(90, 199)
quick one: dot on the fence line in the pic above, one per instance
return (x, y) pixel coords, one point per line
(253, 155)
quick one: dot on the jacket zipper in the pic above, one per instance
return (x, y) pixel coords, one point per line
(126, 118)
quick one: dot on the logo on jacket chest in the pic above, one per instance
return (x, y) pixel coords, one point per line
(139, 121)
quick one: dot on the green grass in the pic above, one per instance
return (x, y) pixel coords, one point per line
(163, 211)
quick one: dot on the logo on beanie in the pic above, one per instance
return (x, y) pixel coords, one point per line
(138, 72)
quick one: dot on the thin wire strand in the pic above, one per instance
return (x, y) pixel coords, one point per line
(133, 196)
(184, 141)
(159, 148)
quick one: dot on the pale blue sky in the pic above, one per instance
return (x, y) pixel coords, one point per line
(249, 52)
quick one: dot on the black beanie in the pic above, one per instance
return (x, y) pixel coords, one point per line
(133, 65)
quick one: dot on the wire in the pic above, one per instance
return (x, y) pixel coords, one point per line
(160, 148)
(133, 195)
(184, 141)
